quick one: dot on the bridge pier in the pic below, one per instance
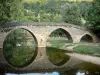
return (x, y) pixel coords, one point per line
(76, 39)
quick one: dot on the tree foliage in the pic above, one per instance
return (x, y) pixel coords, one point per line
(71, 13)
(46, 12)
(43, 11)
(11, 10)
(35, 1)
(93, 16)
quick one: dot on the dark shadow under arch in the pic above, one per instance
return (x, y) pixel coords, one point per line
(87, 38)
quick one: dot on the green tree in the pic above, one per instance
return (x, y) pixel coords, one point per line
(71, 13)
(11, 10)
(44, 12)
(93, 17)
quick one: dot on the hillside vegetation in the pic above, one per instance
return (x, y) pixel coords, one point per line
(34, 1)
(79, 12)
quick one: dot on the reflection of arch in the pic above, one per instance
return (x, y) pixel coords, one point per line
(55, 55)
(86, 38)
(67, 34)
(32, 58)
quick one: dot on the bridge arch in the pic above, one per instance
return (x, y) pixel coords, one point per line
(86, 38)
(65, 31)
(56, 40)
(27, 29)
(29, 44)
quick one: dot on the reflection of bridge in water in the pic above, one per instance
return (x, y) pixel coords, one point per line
(42, 31)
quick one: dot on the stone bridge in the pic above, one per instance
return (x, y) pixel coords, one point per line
(42, 31)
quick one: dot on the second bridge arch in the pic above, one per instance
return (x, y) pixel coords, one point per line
(55, 44)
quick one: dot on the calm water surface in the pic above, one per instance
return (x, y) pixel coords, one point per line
(81, 69)
(53, 73)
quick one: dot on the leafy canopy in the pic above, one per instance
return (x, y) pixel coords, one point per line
(71, 13)
(11, 10)
(93, 16)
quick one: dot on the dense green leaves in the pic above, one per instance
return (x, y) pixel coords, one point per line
(44, 12)
(41, 11)
(93, 16)
(11, 10)
(71, 13)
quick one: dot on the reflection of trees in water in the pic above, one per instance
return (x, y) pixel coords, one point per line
(2, 74)
(55, 45)
(57, 56)
(86, 68)
(90, 69)
(70, 72)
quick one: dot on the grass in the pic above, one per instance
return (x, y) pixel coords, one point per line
(87, 49)
(82, 47)
(58, 42)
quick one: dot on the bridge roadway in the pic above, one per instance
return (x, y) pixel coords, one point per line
(42, 30)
